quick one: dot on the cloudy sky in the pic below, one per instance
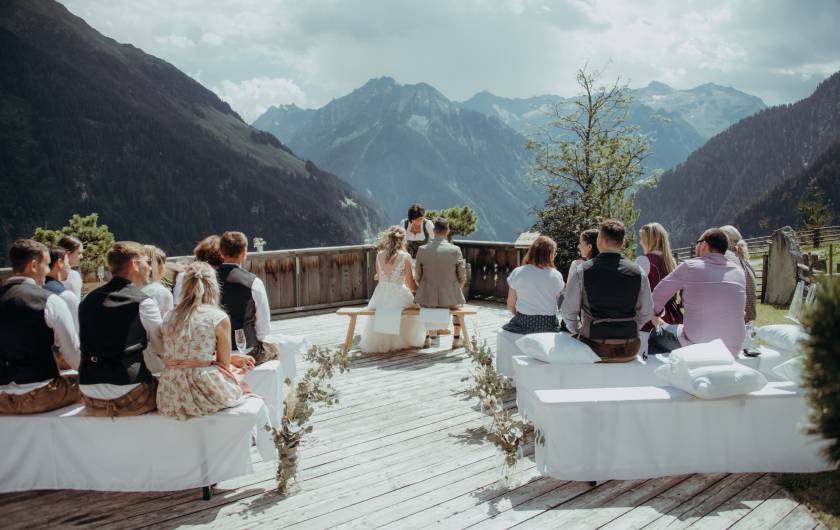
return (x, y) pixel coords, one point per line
(256, 53)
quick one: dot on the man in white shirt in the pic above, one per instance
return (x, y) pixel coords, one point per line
(32, 319)
(117, 322)
(244, 298)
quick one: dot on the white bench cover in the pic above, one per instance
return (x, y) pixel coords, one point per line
(64, 449)
(267, 382)
(617, 421)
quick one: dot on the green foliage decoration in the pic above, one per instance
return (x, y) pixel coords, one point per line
(821, 366)
(95, 238)
(462, 220)
(314, 388)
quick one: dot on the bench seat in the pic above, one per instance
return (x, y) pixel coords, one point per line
(65, 449)
(355, 312)
(619, 421)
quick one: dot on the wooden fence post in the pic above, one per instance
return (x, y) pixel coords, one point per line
(765, 261)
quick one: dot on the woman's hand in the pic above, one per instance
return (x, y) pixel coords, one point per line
(245, 362)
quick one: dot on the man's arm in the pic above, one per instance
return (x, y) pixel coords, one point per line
(72, 302)
(262, 326)
(644, 305)
(58, 318)
(461, 271)
(418, 266)
(151, 320)
(570, 309)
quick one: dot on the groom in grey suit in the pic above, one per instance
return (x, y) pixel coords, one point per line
(440, 274)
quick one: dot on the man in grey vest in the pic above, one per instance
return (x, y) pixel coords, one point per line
(608, 300)
(32, 319)
(440, 274)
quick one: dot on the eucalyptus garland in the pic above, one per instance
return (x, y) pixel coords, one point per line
(314, 387)
(507, 432)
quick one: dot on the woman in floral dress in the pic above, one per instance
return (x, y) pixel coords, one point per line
(196, 336)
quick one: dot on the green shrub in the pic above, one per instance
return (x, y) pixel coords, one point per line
(822, 365)
(462, 221)
(97, 239)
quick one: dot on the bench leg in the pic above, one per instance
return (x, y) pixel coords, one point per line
(348, 342)
(464, 333)
(206, 492)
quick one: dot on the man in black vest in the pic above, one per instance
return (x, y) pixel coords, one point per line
(245, 299)
(608, 300)
(32, 319)
(117, 321)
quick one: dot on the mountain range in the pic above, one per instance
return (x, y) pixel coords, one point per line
(400, 144)
(88, 124)
(754, 173)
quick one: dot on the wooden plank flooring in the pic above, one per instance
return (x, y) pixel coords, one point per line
(401, 450)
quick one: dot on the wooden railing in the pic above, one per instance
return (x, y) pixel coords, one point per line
(318, 278)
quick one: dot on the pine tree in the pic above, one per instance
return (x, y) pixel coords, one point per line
(462, 220)
(96, 239)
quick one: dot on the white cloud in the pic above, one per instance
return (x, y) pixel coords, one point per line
(518, 48)
(252, 97)
(178, 41)
(212, 39)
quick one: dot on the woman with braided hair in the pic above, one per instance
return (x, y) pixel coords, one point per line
(388, 331)
(198, 379)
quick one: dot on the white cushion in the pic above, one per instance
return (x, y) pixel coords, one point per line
(713, 381)
(701, 354)
(556, 348)
(790, 370)
(783, 337)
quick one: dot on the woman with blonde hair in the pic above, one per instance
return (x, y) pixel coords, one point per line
(198, 379)
(739, 253)
(388, 330)
(658, 262)
(155, 289)
(533, 290)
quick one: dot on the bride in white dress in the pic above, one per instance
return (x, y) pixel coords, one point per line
(394, 292)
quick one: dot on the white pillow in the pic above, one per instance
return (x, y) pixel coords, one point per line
(790, 370)
(701, 354)
(556, 348)
(713, 381)
(783, 337)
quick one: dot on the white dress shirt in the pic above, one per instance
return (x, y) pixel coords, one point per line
(176, 291)
(72, 302)
(58, 318)
(151, 321)
(74, 283)
(161, 295)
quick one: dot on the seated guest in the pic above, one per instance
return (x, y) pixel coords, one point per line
(657, 262)
(608, 300)
(196, 336)
(117, 322)
(244, 298)
(713, 295)
(207, 250)
(739, 253)
(587, 248)
(160, 294)
(32, 319)
(418, 229)
(75, 250)
(533, 290)
(59, 271)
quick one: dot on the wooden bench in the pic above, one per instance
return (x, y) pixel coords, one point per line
(355, 312)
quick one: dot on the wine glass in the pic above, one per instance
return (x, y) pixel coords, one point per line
(100, 273)
(241, 343)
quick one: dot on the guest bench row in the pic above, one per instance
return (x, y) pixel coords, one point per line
(355, 312)
(598, 422)
(65, 449)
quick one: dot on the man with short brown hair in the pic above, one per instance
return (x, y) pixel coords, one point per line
(608, 299)
(245, 299)
(32, 320)
(117, 322)
(54, 282)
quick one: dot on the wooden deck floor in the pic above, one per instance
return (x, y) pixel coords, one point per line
(400, 450)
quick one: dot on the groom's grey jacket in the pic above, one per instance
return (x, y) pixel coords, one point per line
(440, 273)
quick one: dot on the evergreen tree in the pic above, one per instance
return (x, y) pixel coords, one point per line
(814, 209)
(589, 162)
(462, 220)
(97, 239)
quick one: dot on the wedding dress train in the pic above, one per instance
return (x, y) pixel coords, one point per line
(389, 298)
